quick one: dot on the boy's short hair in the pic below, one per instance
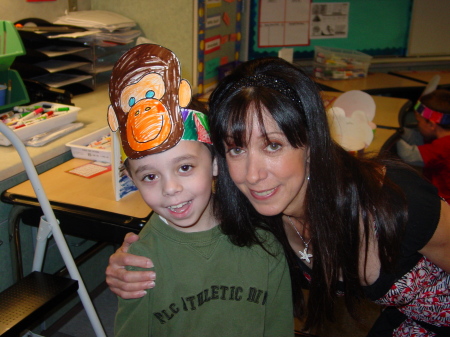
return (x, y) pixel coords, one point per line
(438, 100)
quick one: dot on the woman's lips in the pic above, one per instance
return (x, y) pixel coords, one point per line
(265, 194)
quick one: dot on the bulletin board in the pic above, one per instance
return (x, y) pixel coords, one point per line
(374, 27)
(219, 41)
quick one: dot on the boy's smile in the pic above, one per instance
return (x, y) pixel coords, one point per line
(176, 184)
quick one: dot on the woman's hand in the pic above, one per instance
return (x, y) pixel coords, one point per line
(124, 283)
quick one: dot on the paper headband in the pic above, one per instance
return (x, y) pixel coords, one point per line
(149, 100)
(435, 116)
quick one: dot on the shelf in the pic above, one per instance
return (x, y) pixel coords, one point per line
(10, 47)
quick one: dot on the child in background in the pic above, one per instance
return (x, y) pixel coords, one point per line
(430, 146)
(208, 286)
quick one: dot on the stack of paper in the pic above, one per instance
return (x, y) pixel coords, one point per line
(107, 27)
(96, 19)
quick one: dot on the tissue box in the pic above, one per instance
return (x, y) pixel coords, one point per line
(80, 149)
(31, 130)
(340, 64)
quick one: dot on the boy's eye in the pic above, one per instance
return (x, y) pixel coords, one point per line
(149, 177)
(273, 147)
(185, 168)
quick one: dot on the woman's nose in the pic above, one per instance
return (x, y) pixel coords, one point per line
(256, 169)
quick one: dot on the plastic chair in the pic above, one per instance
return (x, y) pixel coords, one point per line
(48, 226)
(389, 146)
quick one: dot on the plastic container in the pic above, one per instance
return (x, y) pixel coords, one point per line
(80, 150)
(11, 46)
(29, 131)
(340, 64)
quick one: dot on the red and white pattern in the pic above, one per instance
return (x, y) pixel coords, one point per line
(422, 294)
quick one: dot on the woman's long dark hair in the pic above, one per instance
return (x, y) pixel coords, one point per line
(341, 191)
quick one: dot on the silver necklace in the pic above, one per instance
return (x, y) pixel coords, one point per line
(303, 255)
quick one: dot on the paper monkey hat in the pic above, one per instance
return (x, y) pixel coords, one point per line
(149, 100)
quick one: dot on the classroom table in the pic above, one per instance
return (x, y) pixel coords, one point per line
(85, 207)
(425, 76)
(376, 84)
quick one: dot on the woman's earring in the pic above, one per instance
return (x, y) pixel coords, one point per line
(213, 185)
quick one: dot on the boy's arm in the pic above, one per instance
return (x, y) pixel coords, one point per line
(409, 153)
(279, 321)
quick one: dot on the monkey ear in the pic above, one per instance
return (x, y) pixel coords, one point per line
(185, 93)
(112, 119)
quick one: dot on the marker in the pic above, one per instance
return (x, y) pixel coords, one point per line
(62, 109)
(22, 109)
(46, 115)
(32, 114)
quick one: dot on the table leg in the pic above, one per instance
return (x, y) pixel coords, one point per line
(14, 237)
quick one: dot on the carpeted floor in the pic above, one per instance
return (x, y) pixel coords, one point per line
(80, 326)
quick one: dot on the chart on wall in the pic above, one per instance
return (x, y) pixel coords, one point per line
(219, 41)
(373, 27)
(283, 23)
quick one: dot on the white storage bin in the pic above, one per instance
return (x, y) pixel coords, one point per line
(31, 130)
(80, 149)
(340, 64)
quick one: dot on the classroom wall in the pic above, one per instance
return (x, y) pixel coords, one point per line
(378, 28)
(169, 23)
(15, 10)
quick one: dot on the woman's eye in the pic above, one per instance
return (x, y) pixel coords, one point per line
(149, 177)
(186, 168)
(273, 147)
(234, 151)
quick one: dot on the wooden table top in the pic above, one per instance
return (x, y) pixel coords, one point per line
(425, 75)
(371, 82)
(95, 193)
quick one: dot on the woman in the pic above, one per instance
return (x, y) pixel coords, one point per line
(365, 227)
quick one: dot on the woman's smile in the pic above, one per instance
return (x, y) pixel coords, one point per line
(263, 194)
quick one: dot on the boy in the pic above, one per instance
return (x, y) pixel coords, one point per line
(208, 287)
(431, 150)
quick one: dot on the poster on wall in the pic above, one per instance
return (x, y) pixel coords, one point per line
(219, 41)
(283, 23)
(329, 20)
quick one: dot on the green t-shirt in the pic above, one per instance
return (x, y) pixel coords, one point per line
(206, 286)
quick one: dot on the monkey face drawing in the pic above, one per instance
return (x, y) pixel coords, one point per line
(146, 94)
(148, 119)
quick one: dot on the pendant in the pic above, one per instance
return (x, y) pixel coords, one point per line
(304, 255)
